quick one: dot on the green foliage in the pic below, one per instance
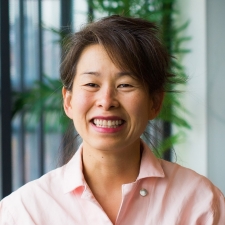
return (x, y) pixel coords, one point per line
(149, 10)
(168, 143)
(43, 99)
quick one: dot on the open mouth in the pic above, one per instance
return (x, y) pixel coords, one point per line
(107, 123)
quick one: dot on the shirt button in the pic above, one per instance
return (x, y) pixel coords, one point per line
(143, 192)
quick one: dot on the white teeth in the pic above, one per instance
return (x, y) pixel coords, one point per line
(107, 123)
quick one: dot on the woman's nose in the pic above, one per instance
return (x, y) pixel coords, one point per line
(107, 98)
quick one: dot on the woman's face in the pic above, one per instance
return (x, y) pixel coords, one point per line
(109, 108)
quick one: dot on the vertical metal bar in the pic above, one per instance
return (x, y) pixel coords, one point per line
(41, 125)
(22, 63)
(167, 130)
(90, 11)
(167, 7)
(66, 28)
(6, 153)
(66, 15)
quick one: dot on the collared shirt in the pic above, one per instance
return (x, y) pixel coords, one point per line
(164, 193)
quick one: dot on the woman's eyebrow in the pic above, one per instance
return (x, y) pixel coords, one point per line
(91, 73)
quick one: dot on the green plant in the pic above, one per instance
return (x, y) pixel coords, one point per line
(44, 97)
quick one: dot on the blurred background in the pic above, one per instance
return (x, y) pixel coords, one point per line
(32, 125)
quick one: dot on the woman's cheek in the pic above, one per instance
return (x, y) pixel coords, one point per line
(81, 101)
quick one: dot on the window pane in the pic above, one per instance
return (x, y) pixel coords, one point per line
(51, 46)
(51, 64)
(80, 16)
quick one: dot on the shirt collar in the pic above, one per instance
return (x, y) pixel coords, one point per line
(73, 170)
(150, 165)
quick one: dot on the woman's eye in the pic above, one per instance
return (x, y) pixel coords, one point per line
(91, 85)
(125, 85)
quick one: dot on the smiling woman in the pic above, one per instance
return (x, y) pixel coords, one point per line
(115, 74)
(104, 95)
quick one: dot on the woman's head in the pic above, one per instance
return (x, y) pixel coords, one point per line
(131, 43)
(110, 109)
(133, 46)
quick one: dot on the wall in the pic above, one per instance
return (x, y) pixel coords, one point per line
(193, 153)
(216, 91)
(204, 148)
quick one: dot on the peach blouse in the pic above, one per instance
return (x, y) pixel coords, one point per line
(163, 194)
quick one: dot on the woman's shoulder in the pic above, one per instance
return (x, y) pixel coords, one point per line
(32, 195)
(44, 184)
(184, 176)
(192, 193)
(191, 184)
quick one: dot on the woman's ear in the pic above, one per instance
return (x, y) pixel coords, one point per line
(67, 97)
(156, 104)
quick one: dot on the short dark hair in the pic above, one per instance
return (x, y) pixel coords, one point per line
(131, 43)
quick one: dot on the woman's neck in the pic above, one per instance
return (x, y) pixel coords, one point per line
(118, 166)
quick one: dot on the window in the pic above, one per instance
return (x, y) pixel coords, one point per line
(34, 51)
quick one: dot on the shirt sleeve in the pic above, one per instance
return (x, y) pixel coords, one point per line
(5, 216)
(211, 205)
(219, 210)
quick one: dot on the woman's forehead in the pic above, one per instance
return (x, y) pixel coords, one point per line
(93, 52)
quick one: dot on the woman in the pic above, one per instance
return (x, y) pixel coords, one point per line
(114, 77)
